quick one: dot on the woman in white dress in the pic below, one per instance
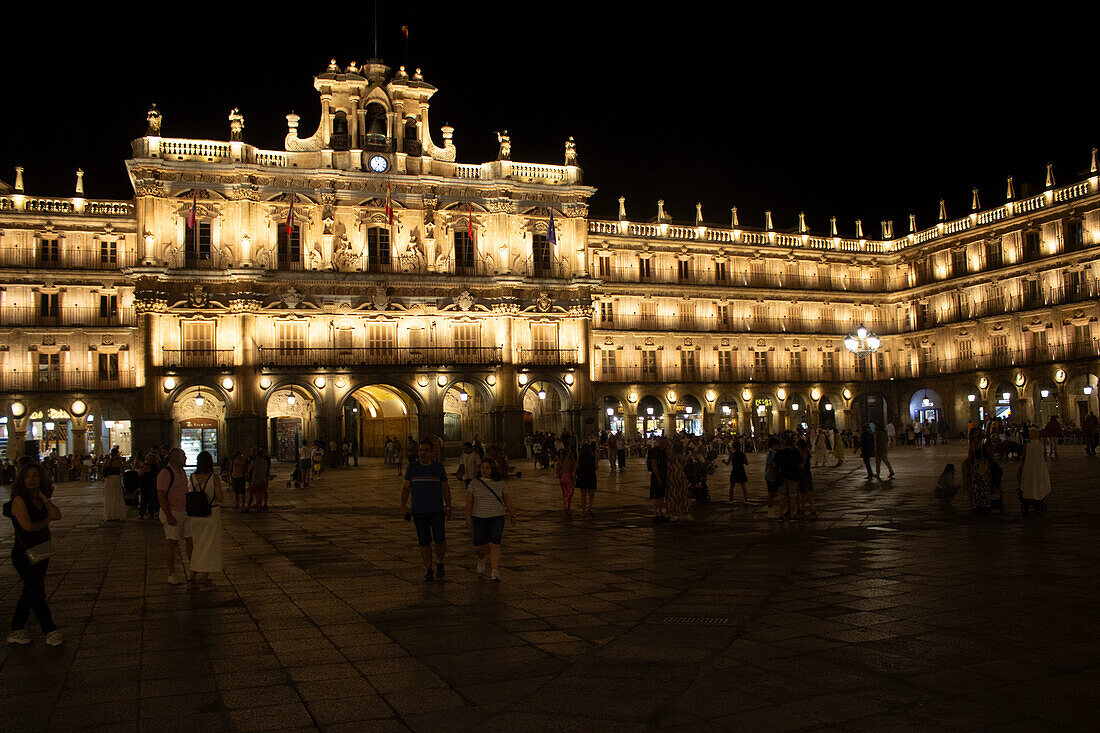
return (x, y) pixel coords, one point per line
(1032, 477)
(114, 507)
(207, 531)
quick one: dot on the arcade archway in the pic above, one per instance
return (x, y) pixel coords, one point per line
(613, 414)
(199, 416)
(292, 424)
(650, 416)
(542, 407)
(376, 411)
(465, 413)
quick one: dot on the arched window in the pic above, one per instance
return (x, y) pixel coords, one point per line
(339, 139)
(412, 139)
(375, 126)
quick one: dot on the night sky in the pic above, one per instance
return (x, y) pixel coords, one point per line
(870, 116)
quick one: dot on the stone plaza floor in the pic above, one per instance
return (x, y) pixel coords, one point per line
(884, 613)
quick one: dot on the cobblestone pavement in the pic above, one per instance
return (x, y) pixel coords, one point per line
(884, 613)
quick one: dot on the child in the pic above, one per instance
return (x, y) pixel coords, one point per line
(946, 488)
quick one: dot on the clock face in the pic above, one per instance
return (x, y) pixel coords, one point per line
(378, 164)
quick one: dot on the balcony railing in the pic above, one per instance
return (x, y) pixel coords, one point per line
(707, 276)
(183, 358)
(56, 381)
(384, 356)
(66, 259)
(66, 316)
(713, 324)
(548, 357)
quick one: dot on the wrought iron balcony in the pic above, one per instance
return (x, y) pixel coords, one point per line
(278, 357)
(185, 358)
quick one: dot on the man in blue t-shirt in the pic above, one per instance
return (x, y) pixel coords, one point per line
(426, 480)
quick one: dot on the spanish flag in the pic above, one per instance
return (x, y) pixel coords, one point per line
(194, 208)
(389, 206)
(405, 30)
(290, 216)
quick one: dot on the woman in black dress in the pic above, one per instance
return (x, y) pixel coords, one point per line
(738, 460)
(586, 477)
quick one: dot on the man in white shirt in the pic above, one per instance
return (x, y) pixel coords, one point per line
(891, 434)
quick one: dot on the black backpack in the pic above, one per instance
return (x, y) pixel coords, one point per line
(198, 503)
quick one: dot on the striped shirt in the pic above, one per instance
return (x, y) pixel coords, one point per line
(485, 504)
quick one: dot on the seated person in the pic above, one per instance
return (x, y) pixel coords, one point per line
(946, 488)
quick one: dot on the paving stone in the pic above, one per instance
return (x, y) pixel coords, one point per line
(885, 613)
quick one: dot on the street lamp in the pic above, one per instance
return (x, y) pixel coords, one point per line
(863, 343)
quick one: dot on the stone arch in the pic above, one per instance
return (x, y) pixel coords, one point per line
(544, 402)
(373, 412)
(292, 419)
(613, 414)
(688, 414)
(797, 408)
(563, 391)
(197, 427)
(924, 405)
(651, 411)
(466, 405)
(827, 407)
(1078, 403)
(870, 406)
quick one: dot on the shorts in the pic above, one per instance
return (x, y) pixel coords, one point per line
(429, 528)
(656, 488)
(488, 529)
(259, 488)
(181, 529)
(787, 487)
(239, 486)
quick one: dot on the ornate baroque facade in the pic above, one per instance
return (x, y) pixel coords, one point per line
(363, 282)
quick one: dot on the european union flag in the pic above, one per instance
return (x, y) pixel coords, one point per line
(551, 235)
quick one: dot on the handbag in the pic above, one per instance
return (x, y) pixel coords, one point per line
(41, 551)
(198, 503)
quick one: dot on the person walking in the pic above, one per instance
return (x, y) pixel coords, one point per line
(977, 474)
(259, 471)
(787, 465)
(148, 506)
(620, 450)
(820, 447)
(31, 511)
(487, 503)
(426, 483)
(172, 494)
(882, 451)
(566, 470)
(737, 460)
(678, 500)
(586, 477)
(238, 478)
(1052, 434)
(1089, 427)
(612, 451)
(867, 449)
(838, 446)
(1033, 477)
(206, 530)
(656, 462)
(114, 507)
(805, 482)
(891, 434)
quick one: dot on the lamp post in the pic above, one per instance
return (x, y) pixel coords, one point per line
(864, 343)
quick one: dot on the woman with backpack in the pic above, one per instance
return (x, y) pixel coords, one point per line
(204, 498)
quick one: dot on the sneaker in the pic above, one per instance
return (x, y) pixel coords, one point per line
(495, 576)
(481, 567)
(175, 579)
(54, 638)
(439, 571)
(429, 575)
(19, 636)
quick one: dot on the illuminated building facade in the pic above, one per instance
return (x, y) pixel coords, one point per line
(362, 282)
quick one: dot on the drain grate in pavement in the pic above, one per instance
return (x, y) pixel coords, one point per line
(695, 620)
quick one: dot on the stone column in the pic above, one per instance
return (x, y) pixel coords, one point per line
(80, 437)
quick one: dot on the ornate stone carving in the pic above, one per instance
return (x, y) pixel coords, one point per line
(570, 151)
(236, 125)
(197, 297)
(150, 188)
(464, 301)
(544, 302)
(575, 210)
(291, 298)
(378, 298)
(501, 206)
(154, 118)
(49, 341)
(107, 340)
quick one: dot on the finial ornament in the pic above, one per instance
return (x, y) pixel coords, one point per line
(859, 228)
(1095, 166)
(660, 210)
(79, 182)
(768, 220)
(505, 140)
(153, 117)
(570, 151)
(974, 205)
(622, 208)
(912, 223)
(1050, 175)
(802, 222)
(885, 230)
(734, 222)
(19, 179)
(832, 226)
(699, 214)
(943, 210)
(236, 125)
(1010, 192)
